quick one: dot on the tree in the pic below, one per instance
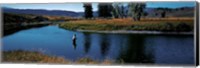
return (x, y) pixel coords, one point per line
(115, 12)
(145, 14)
(104, 9)
(163, 14)
(118, 10)
(136, 10)
(162, 11)
(88, 10)
(122, 11)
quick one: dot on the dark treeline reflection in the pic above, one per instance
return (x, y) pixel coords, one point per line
(135, 50)
(127, 48)
(104, 44)
(87, 43)
(131, 51)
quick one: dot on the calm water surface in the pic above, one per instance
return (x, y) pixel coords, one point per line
(131, 48)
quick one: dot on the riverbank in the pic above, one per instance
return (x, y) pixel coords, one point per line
(137, 32)
(13, 22)
(30, 57)
(12, 28)
(20, 56)
(155, 26)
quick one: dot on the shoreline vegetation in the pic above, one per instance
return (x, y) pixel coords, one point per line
(13, 22)
(127, 25)
(38, 57)
(137, 32)
(12, 28)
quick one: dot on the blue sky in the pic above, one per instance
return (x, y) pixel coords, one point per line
(78, 7)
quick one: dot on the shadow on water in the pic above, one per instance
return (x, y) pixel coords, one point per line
(11, 29)
(135, 51)
(104, 44)
(87, 43)
(128, 48)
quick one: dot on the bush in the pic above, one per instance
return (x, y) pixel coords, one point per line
(183, 27)
(167, 27)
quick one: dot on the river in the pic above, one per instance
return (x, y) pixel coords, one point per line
(131, 48)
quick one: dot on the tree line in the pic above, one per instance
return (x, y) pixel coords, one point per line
(116, 10)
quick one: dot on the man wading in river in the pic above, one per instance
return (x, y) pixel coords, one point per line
(74, 41)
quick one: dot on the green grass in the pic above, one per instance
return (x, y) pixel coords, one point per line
(21, 56)
(128, 24)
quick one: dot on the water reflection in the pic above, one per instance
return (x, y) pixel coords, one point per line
(135, 51)
(131, 48)
(104, 44)
(87, 42)
(74, 45)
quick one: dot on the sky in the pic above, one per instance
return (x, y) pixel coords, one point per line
(78, 7)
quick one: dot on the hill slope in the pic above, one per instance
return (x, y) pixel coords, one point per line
(42, 12)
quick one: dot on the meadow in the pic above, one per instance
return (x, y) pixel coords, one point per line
(147, 24)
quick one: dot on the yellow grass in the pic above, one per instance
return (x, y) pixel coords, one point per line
(159, 24)
(19, 56)
(58, 18)
(129, 21)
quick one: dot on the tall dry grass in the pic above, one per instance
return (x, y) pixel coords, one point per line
(20, 56)
(160, 24)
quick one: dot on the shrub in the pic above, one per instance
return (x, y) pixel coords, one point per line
(183, 27)
(167, 27)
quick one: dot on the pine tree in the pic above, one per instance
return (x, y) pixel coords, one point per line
(104, 9)
(88, 10)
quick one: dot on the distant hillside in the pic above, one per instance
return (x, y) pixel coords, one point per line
(42, 12)
(20, 18)
(29, 18)
(151, 12)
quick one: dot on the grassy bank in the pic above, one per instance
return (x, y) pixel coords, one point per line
(37, 57)
(32, 57)
(149, 24)
(12, 28)
(13, 22)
